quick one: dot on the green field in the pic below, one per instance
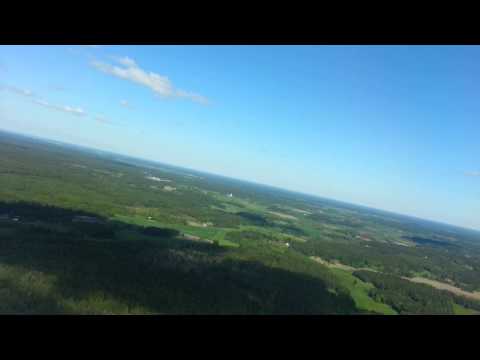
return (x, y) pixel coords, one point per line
(92, 232)
(359, 292)
(461, 310)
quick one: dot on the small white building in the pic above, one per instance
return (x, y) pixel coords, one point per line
(230, 195)
(287, 244)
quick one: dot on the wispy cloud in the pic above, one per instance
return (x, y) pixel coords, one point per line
(78, 111)
(125, 103)
(18, 91)
(103, 120)
(159, 84)
(29, 94)
(472, 173)
(64, 108)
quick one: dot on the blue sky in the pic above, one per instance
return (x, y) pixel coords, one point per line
(391, 127)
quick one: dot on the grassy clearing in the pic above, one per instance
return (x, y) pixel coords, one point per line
(229, 208)
(100, 303)
(282, 215)
(359, 292)
(270, 232)
(208, 233)
(239, 203)
(460, 310)
(220, 238)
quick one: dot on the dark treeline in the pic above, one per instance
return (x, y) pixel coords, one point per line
(155, 274)
(65, 240)
(407, 297)
(162, 232)
(334, 220)
(397, 260)
(254, 219)
(430, 242)
(239, 236)
(34, 211)
(291, 230)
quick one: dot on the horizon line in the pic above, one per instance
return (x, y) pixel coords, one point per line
(241, 179)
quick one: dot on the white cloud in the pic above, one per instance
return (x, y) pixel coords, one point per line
(65, 108)
(159, 84)
(27, 93)
(126, 61)
(472, 173)
(18, 91)
(124, 103)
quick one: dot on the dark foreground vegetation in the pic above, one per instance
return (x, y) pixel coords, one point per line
(96, 233)
(444, 263)
(52, 264)
(406, 297)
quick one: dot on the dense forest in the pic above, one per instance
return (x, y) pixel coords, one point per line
(85, 231)
(410, 298)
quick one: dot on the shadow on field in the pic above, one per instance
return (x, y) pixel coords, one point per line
(91, 265)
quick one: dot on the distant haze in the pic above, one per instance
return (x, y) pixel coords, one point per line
(388, 127)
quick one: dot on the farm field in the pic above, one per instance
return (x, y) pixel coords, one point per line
(92, 232)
